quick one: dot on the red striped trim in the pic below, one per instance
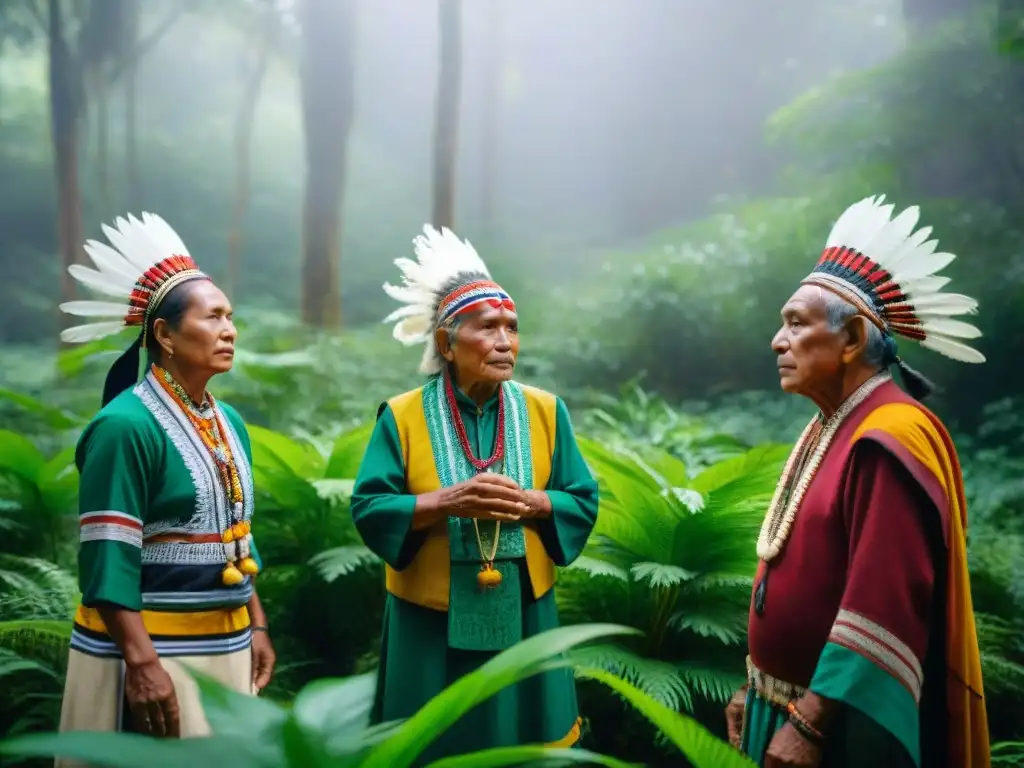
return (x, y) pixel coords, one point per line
(110, 518)
(874, 642)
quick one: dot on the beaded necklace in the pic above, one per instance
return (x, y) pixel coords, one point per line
(206, 419)
(489, 576)
(460, 428)
(801, 469)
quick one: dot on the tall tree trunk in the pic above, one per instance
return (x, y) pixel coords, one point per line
(64, 126)
(493, 82)
(102, 138)
(243, 141)
(328, 97)
(446, 125)
(131, 146)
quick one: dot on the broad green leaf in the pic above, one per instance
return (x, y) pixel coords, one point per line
(348, 452)
(336, 709)
(271, 449)
(762, 461)
(72, 361)
(58, 482)
(231, 713)
(523, 660)
(529, 755)
(699, 747)
(55, 418)
(303, 748)
(20, 458)
(289, 491)
(129, 750)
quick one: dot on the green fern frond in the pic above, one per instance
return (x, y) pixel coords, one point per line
(711, 581)
(1008, 754)
(712, 684)
(658, 575)
(660, 680)
(36, 588)
(997, 633)
(1001, 675)
(729, 629)
(594, 566)
(341, 561)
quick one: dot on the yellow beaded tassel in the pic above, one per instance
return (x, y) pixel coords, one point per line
(230, 575)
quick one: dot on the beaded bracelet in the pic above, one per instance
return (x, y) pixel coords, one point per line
(803, 725)
(258, 629)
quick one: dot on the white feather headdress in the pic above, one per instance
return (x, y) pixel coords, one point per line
(886, 269)
(146, 261)
(441, 259)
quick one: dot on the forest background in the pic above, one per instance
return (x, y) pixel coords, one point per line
(649, 179)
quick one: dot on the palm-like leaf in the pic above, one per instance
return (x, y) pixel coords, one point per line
(683, 551)
(326, 724)
(697, 744)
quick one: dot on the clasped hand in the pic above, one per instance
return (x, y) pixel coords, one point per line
(490, 496)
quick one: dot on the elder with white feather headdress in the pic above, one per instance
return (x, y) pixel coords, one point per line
(167, 559)
(863, 647)
(472, 490)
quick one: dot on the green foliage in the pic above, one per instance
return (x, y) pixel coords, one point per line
(683, 494)
(326, 724)
(1007, 754)
(37, 495)
(37, 600)
(672, 556)
(316, 558)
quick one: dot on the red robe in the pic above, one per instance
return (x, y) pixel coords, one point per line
(874, 565)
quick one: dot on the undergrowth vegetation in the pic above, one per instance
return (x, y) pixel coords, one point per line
(684, 489)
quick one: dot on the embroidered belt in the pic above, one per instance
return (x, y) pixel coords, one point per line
(183, 538)
(772, 689)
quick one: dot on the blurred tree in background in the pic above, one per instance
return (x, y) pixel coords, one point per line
(650, 180)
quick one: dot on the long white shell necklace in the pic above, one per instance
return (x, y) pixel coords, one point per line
(802, 466)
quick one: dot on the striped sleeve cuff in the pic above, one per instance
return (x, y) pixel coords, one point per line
(878, 645)
(108, 525)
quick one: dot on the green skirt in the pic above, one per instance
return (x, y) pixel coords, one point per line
(855, 741)
(416, 664)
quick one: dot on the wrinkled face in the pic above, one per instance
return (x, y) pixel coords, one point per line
(484, 346)
(810, 353)
(205, 338)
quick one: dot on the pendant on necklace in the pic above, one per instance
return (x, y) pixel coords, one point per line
(761, 593)
(489, 577)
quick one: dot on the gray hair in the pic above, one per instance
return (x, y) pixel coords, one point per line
(839, 312)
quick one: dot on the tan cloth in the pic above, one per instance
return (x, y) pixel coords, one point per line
(93, 692)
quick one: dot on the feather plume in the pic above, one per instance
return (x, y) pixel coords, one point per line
(440, 257)
(81, 334)
(909, 259)
(138, 246)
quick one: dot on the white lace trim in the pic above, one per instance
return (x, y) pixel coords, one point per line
(212, 510)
